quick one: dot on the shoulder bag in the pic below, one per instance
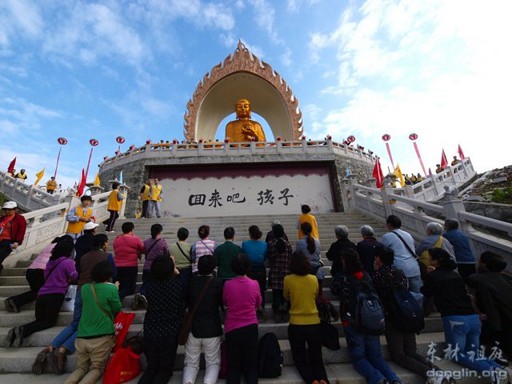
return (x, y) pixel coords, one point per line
(187, 322)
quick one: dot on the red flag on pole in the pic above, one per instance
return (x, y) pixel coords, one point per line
(81, 184)
(12, 164)
(444, 160)
(461, 154)
(377, 174)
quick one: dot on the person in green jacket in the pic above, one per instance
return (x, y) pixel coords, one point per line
(225, 253)
(96, 332)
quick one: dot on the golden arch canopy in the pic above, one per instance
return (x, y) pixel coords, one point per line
(242, 75)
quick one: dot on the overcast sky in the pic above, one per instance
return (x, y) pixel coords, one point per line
(102, 69)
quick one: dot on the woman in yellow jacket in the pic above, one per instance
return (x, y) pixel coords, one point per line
(304, 332)
(115, 200)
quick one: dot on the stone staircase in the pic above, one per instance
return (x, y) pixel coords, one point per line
(14, 361)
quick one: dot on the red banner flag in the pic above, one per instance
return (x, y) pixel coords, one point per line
(444, 160)
(12, 164)
(461, 154)
(81, 184)
(377, 174)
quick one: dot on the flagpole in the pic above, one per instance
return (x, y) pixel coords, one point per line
(414, 137)
(386, 138)
(88, 163)
(62, 141)
(57, 165)
(93, 143)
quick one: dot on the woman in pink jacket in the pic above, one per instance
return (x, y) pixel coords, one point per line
(128, 249)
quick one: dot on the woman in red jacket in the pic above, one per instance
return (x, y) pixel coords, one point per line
(12, 230)
(128, 249)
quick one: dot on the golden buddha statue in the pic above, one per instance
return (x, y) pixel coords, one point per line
(244, 129)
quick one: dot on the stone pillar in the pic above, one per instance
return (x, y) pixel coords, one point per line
(386, 200)
(347, 191)
(96, 190)
(124, 191)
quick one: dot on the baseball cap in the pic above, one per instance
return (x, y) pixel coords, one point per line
(90, 225)
(10, 205)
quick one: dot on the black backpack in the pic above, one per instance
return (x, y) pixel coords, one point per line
(270, 356)
(404, 311)
(369, 316)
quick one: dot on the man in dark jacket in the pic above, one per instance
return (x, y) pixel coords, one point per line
(366, 248)
(342, 243)
(225, 253)
(494, 301)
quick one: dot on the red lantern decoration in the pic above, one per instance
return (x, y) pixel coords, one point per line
(351, 139)
(386, 137)
(120, 139)
(94, 142)
(413, 136)
(148, 141)
(62, 140)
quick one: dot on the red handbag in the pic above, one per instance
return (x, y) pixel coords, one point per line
(122, 323)
(123, 366)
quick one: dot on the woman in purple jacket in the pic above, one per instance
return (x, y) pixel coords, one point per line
(59, 271)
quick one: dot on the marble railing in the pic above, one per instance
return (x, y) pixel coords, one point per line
(166, 150)
(485, 234)
(43, 225)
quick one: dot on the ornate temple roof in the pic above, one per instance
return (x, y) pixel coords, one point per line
(242, 75)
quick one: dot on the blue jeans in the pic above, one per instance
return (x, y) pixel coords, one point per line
(147, 280)
(415, 283)
(66, 337)
(366, 357)
(463, 332)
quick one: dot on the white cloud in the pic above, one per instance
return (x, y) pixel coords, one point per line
(440, 69)
(264, 15)
(286, 57)
(95, 31)
(19, 17)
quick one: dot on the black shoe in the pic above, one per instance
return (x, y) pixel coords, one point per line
(19, 334)
(333, 312)
(10, 306)
(11, 336)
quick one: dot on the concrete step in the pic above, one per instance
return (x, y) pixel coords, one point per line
(13, 361)
(337, 374)
(432, 325)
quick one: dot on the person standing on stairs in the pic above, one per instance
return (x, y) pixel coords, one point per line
(12, 230)
(115, 200)
(154, 247)
(256, 250)
(128, 250)
(78, 216)
(307, 217)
